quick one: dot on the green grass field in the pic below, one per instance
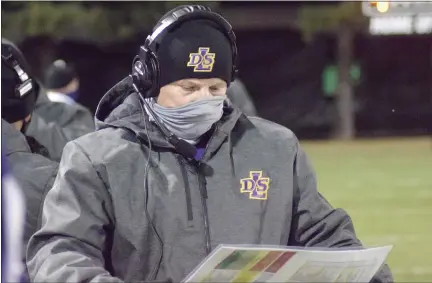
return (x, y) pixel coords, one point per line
(386, 187)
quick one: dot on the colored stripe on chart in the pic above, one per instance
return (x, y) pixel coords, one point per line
(238, 260)
(284, 258)
(266, 261)
(245, 275)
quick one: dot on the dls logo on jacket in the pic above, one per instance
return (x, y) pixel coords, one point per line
(202, 61)
(256, 185)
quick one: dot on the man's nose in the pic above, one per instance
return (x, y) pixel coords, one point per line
(205, 92)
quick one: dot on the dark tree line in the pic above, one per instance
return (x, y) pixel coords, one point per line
(89, 21)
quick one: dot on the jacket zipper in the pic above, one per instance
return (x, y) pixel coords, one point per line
(203, 194)
(187, 192)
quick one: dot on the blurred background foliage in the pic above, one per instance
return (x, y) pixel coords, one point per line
(89, 21)
(110, 21)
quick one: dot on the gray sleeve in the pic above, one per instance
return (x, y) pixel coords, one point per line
(76, 223)
(315, 222)
(35, 175)
(35, 196)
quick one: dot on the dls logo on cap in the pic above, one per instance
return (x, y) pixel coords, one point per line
(202, 61)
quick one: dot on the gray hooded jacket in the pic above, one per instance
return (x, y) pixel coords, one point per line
(54, 124)
(103, 221)
(34, 173)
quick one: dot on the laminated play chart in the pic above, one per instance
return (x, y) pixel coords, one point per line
(248, 263)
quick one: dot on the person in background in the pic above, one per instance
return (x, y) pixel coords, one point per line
(62, 83)
(29, 160)
(240, 97)
(53, 124)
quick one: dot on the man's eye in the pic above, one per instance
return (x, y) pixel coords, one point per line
(189, 88)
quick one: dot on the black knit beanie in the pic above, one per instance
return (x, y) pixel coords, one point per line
(13, 106)
(196, 49)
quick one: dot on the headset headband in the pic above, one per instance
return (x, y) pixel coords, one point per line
(176, 18)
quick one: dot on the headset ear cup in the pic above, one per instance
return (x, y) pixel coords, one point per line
(140, 74)
(147, 74)
(155, 72)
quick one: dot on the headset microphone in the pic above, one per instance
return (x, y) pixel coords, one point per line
(182, 146)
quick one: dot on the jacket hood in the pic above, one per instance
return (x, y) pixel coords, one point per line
(121, 107)
(12, 139)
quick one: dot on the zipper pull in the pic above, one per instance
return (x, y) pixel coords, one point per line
(203, 187)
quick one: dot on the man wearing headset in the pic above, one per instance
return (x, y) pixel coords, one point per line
(53, 124)
(28, 159)
(173, 170)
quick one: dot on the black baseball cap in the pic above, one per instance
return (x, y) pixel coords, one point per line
(59, 74)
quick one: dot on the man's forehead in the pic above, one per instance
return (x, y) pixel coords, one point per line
(210, 81)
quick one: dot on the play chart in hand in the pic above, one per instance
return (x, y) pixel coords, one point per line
(245, 263)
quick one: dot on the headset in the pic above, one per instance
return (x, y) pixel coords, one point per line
(145, 66)
(26, 85)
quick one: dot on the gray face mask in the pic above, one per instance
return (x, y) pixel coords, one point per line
(190, 121)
